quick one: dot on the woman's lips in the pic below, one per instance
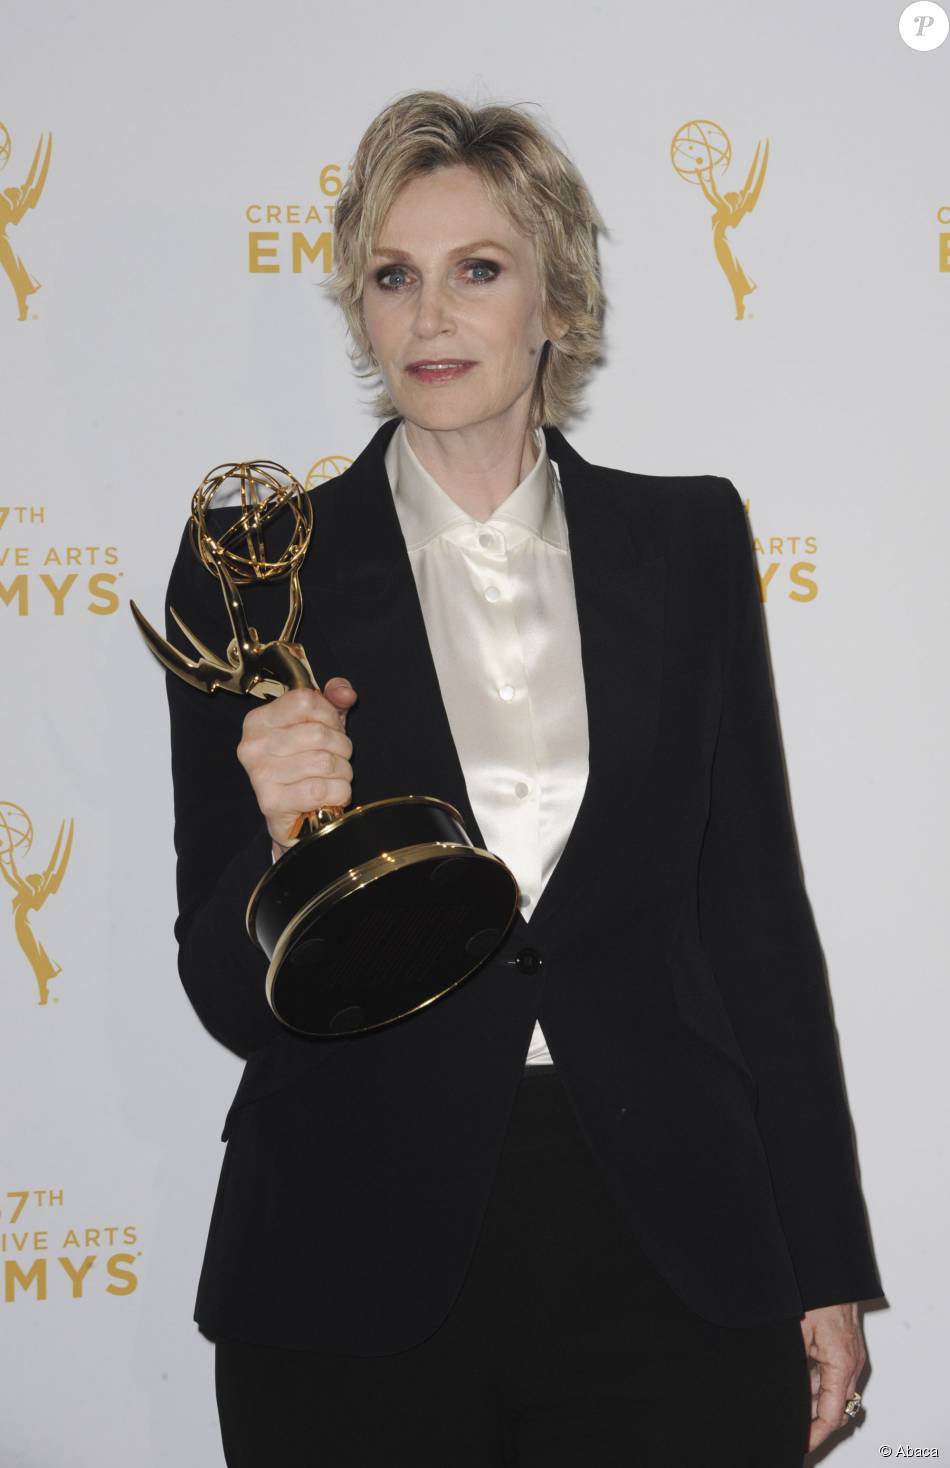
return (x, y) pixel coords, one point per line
(440, 373)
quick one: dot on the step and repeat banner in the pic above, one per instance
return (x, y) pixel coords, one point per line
(775, 184)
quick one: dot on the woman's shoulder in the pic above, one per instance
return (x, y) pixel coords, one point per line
(697, 485)
(668, 487)
(676, 498)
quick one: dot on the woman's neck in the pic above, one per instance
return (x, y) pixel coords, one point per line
(477, 466)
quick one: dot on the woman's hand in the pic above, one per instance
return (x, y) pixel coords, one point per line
(297, 755)
(835, 1348)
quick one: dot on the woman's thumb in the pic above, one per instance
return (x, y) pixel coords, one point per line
(341, 694)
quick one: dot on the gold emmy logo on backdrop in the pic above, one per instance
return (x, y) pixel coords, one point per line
(375, 911)
(30, 892)
(943, 240)
(14, 203)
(700, 148)
(276, 246)
(329, 467)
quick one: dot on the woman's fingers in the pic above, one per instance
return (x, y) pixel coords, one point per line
(286, 803)
(311, 762)
(834, 1345)
(291, 739)
(296, 706)
(296, 754)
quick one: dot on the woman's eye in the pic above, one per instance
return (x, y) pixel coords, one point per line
(393, 277)
(483, 265)
(383, 276)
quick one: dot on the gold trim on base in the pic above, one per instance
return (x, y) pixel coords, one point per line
(348, 815)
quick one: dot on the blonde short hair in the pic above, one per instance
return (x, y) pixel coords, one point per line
(529, 178)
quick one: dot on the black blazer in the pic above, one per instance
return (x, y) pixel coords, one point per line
(680, 985)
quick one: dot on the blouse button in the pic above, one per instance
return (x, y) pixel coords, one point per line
(486, 539)
(506, 692)
(492, 593)
(521, 789)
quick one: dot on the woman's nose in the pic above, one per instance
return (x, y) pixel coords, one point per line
(433, 310)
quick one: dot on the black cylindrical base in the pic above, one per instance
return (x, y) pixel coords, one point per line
(377, 915)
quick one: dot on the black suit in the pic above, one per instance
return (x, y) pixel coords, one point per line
(680, 984)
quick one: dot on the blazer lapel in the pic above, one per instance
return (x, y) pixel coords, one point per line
(363, 618)
(619, 587)
(361, 587)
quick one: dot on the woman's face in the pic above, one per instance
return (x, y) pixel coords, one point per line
(452, 281)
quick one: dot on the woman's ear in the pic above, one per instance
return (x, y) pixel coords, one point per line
(556, 329)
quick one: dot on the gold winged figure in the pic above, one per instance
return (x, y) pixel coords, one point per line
(731, 208)
(263, 669)
(30, 893)
(14, 203)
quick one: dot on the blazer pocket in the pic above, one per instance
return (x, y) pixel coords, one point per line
(701, 1009)
(287, 1059)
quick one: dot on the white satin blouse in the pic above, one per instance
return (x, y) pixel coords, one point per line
(497, 598)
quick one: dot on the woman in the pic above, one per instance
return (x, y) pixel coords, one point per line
(599, 1204)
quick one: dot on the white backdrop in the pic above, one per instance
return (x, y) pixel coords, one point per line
(152, 351)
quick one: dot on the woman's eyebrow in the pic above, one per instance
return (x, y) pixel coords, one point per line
(459, 249)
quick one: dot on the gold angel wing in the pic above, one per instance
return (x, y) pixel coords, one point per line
(27, 196)
(749, 193)
(56, 867)
(262, 670)
(208, 673)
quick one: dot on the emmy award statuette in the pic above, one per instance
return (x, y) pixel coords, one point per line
(376, 911)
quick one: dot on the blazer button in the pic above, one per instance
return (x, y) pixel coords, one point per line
(528, 961)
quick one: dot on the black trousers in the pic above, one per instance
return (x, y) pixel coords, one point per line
(564, 1349)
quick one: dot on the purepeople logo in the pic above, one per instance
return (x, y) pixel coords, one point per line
(31, 885)
(14, 203)
(700, 149)
(924, 26)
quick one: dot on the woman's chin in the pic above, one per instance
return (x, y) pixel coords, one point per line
(441, 415)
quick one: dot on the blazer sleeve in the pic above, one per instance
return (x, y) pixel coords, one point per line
(222, 844)
(758, 931)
